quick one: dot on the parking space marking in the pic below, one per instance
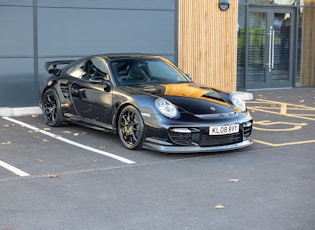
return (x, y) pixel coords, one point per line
(291, 126)
(284, 144)
(282, 109)
(13, 169)
(119, 158)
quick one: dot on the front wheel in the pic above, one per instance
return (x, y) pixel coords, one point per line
(131, 128)
(52, 108)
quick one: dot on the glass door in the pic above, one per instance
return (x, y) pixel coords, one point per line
(269, 48)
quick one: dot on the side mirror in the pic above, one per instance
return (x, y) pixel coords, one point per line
(108, 86)
(189, 76)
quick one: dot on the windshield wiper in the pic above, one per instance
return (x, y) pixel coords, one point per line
(179, 82)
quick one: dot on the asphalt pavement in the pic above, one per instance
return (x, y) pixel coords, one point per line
(73, 177)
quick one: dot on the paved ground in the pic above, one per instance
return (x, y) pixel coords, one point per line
(74, 177)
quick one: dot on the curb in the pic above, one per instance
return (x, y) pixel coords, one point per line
(245, 96)
(15, 112)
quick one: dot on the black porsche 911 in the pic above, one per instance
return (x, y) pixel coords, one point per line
(147, 101)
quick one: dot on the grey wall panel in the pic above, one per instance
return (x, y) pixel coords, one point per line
(91, 31)
(17, 82)
(16, 2)
(111, 4)
(49, 30)
(16, 54)
(16, 36)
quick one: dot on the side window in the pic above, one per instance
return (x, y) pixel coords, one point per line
(98, 68)
(88, 69)
(76, 70)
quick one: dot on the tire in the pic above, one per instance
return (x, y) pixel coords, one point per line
(51, 108)
(131, 128)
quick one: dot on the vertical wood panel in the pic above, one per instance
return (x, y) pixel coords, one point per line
(308, 48)
(207, 42)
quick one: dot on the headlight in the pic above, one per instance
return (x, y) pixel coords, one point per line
(238, 102)
(166, 108)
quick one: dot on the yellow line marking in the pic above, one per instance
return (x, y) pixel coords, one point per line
(282, 109)
(304, 114)
(287, 115)
(262, 101)
(278, 102)
(277, 108)
(295, 126)
(284, 144)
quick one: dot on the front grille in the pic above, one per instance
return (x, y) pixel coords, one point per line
(206, 140)
(181, 138)
(247, 131)
(203, 139)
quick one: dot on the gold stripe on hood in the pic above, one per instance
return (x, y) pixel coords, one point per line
(193, 91)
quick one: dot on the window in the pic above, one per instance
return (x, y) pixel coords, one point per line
(76, 70)
(277, 2)
(90, 68)
(98, 68)
(145, 70)
(284, 2)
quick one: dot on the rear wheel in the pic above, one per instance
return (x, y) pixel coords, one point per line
(52, 108)
(131, 128)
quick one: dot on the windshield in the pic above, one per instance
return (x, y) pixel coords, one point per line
(140, 71)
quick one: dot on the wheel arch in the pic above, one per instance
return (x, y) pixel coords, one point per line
(116, 117)
(54, 115)
(144, 102)
(138, 129)
(65, 103)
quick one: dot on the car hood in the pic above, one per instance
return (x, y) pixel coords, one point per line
(189, 97)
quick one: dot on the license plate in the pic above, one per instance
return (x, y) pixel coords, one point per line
(225, 129)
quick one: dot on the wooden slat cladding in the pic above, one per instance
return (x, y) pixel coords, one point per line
(207, 42)
(308, 40)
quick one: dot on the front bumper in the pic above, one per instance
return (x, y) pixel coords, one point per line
(192, 135)
(196, 149)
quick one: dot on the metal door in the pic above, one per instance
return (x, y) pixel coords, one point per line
(269, 48)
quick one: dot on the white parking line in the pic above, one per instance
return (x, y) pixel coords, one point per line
(122, 159)
(13, 169)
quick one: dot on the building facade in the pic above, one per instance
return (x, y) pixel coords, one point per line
(35, 31)
(207, 42)
(276, 44)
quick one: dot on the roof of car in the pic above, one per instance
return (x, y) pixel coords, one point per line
(127, 55)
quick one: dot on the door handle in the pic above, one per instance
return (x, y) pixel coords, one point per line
(273, 49)
(269, 53)
(270, 49)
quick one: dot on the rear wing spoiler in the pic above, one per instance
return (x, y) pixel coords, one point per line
(52, 66)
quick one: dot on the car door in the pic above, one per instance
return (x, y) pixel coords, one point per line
(91, 92)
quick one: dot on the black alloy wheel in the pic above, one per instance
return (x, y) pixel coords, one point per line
(52, 108)
(131, 128)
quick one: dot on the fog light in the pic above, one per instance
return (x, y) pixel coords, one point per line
(248, 124)
(181, 130)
